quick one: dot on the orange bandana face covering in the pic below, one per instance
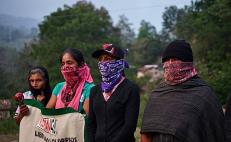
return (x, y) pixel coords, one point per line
(176, 72)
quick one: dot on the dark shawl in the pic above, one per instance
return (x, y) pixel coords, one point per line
(190, 111)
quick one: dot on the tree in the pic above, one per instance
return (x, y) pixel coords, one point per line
(146, 30)
(206, 25)
(13, 72)
(147, 47)
(81, 26)
(127, 34)
(170, 18)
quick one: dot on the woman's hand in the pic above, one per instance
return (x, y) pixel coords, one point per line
(24, 110)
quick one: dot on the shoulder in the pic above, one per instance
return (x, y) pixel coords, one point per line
(86, 89)
(95, 90)
(60, 84)
(88, 85)
(57, 88)
(129, 84)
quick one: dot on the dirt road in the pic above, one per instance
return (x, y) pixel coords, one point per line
(9, 138)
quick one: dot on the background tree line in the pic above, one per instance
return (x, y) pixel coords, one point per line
(205, 24)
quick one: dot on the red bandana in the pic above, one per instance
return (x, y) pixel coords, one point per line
(71, 76)
(71, 92)
(176, 72)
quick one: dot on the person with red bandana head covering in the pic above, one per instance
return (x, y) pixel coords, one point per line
(183, 108)
(75, 91)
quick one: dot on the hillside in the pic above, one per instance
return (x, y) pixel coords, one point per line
(18, 22)
(15, 31)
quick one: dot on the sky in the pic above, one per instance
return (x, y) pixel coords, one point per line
(135, 10)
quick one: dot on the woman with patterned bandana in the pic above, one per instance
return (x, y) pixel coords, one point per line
(75, 91)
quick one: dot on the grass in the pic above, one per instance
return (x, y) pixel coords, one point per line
(143, 102)
(8, 126)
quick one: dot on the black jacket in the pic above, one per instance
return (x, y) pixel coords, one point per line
(116, 119)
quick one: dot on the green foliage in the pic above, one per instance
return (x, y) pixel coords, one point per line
(206, 25)
(145, 51)
(13, 69)
(143, 102)
(217, 74)
(8, 127)
(171, 17)
(146, 30)
(147, 47)
(82, 26)
(127, 35)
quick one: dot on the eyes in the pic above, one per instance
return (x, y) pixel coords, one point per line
(105, 58)
(69, 62)
(67, 59)
(35, 80)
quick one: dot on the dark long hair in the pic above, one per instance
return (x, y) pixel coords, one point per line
(76, 54)
(47, 90)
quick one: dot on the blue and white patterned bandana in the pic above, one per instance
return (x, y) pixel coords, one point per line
(111, 72)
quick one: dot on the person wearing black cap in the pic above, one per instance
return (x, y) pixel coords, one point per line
(114, 103)
(183, 108)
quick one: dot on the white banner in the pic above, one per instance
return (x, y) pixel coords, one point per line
(60, 125)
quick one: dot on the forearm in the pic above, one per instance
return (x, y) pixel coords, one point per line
(52, 102)
(18, 118)
(86, 106)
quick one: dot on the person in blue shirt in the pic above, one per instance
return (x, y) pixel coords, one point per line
(75, 91)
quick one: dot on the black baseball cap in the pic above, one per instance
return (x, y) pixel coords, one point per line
(110, 49)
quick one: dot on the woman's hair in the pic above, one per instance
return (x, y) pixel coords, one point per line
(47, 90)
(76, 54)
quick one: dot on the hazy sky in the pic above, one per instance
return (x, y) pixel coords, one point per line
(134, 10)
